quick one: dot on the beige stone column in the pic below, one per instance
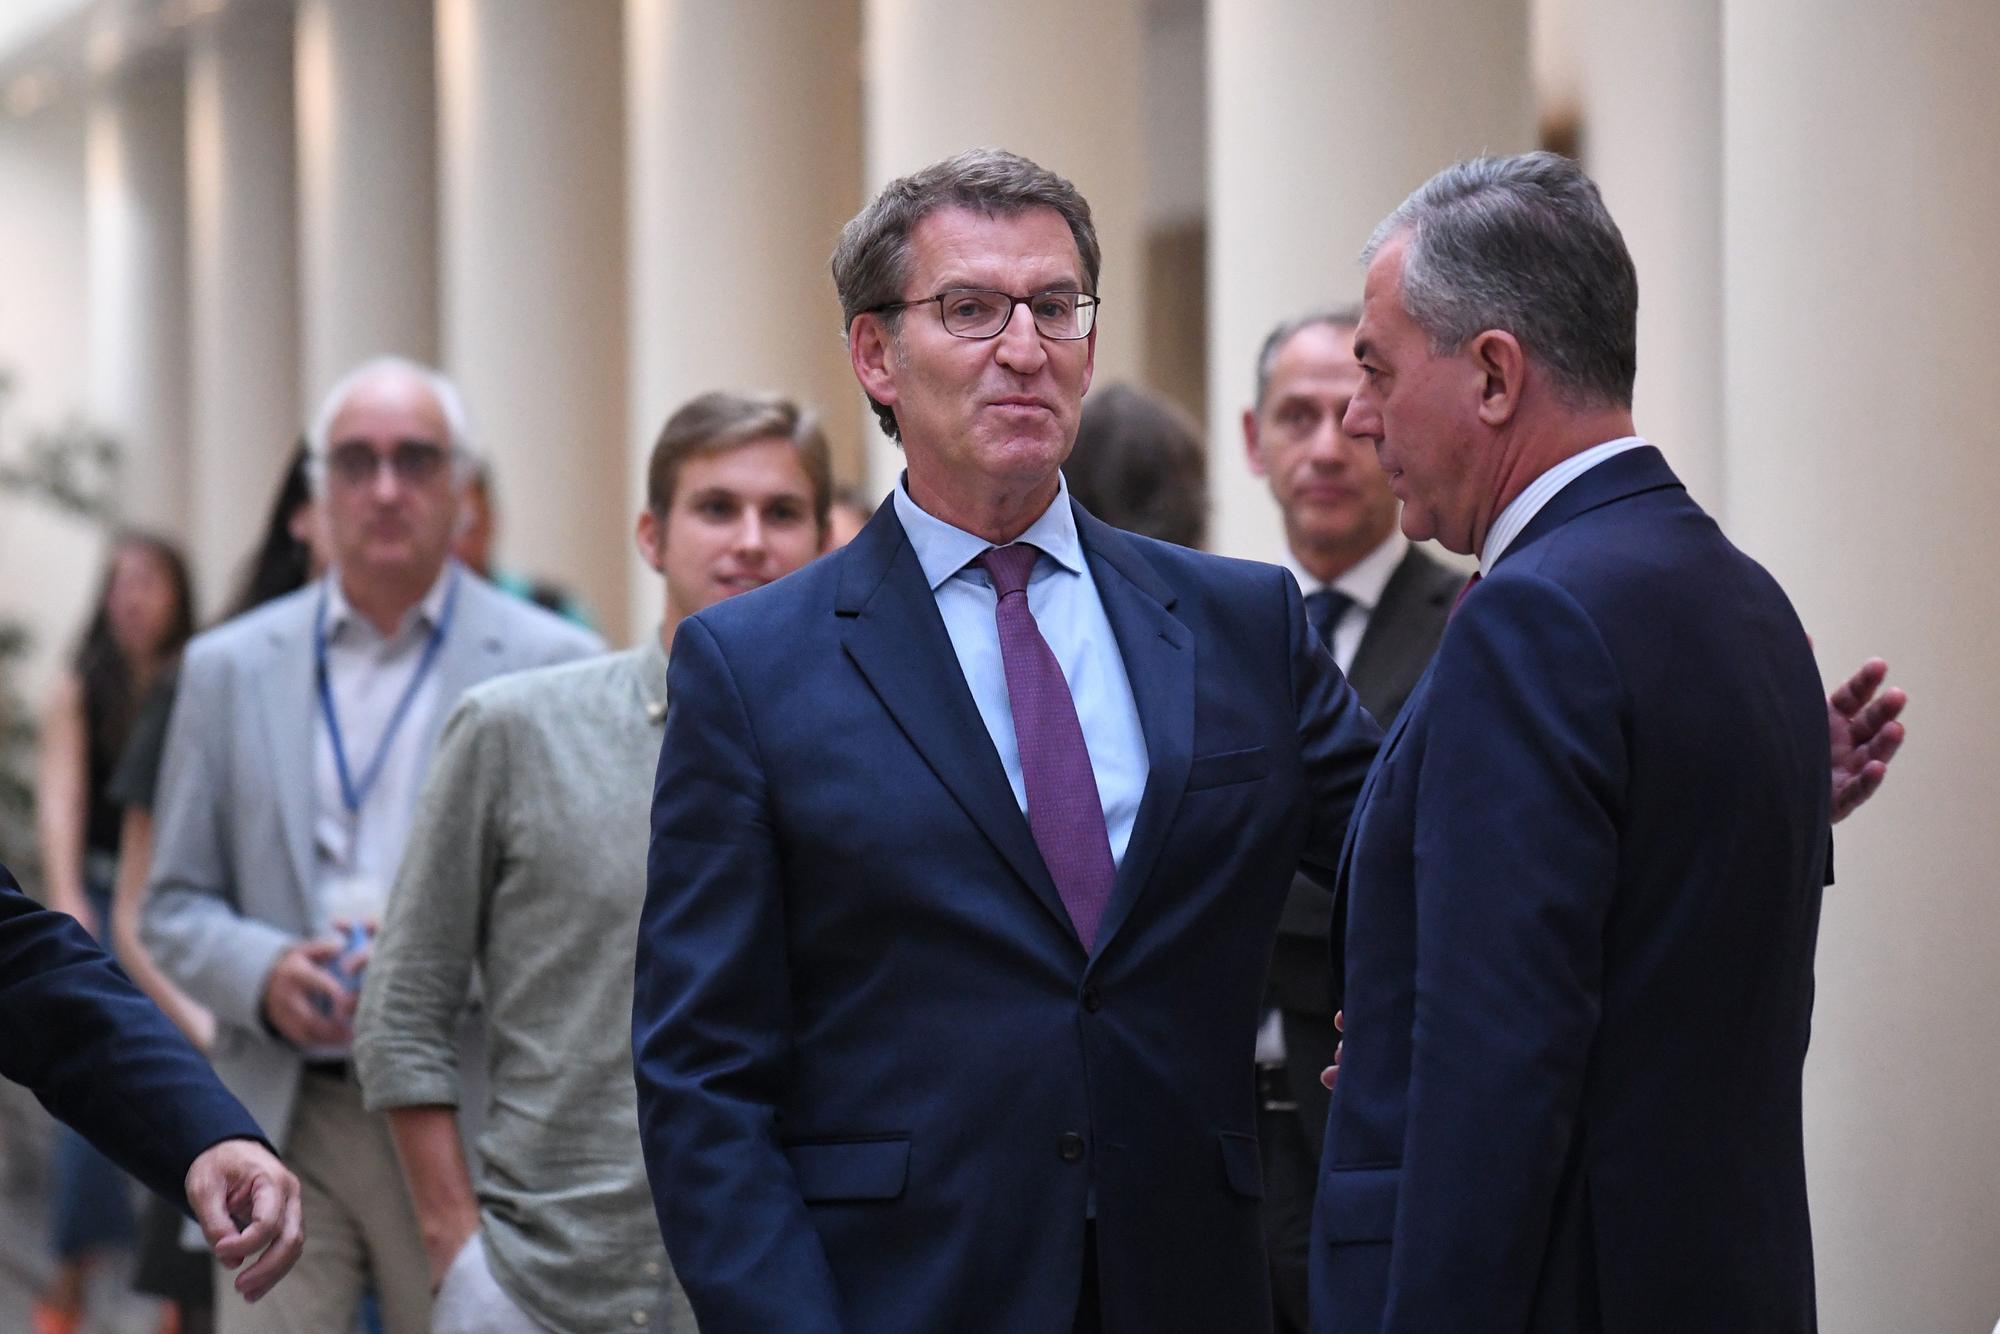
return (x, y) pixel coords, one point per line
(531, 144)
(138, 286)
(49, 564)
(1052, 79)
(243, 283)
(737, 191)
(367, 184)
(1651, 76)
(1861, 207)
(1321, 119)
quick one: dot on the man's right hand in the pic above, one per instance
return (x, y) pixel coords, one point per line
(305, 1002)
(444, 1240)
(433, 1161)
(1332, 1072)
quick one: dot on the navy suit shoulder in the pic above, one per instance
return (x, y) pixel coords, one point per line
(99, 1055)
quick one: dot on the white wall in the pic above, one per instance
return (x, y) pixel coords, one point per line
(48, 565)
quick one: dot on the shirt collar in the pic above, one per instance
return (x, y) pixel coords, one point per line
(1363, 581)
(944, 549)
(429, 610)
(1523, 508)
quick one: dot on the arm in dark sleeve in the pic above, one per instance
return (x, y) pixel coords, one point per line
(1517, 809)
(1337, 740)
(99, 1055)
(711, 1019)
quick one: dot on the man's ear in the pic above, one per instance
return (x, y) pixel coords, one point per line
(1252, 449)
(871, 350)
(1503, 371)
(651, 536)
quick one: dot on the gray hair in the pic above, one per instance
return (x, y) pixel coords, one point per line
(1525, 245)
(1333, 317)
(871, 262)
(465, 460)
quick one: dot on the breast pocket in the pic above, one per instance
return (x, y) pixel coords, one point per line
(1227, 767)
(870, 1169)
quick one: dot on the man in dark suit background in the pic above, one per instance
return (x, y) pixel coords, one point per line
(104, 1060)
(1379, 603)
(1582, 887)
(960, 901)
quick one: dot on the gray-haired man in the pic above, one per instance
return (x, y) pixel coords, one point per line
(298, 743)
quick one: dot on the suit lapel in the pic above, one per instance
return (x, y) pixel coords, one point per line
(1344, 867)
(288, 688)
(894, 636)
(1158, 652)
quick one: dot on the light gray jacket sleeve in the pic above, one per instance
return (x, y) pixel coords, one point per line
(406, 1030)
(193, 922)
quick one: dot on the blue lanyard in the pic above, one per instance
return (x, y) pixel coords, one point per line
(351, 793)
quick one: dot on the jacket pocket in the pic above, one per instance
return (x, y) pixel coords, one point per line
(1229, 766)
(1358, 1203)
(1242, 1164)
(869, 1169)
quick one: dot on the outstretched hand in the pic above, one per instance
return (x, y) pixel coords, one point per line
(1864, 735)
(240, 1179)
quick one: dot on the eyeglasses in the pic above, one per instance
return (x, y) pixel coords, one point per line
(974, 312)
(356, 464)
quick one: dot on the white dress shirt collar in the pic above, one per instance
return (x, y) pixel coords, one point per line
(1364, 580)
(944, 549)
(340, 613)
(1523, 508)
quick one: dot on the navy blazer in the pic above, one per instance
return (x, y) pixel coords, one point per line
(880, 1084)
(1582, 892)
(100, 1055)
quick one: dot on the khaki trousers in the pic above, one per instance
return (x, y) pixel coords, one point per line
(361, 1232)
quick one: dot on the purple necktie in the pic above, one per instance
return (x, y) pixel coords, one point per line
(1064, 812)
(1470, 584)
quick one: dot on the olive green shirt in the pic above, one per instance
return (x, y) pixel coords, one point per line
(526, 867)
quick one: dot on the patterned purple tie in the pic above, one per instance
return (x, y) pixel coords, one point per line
(1064, 811)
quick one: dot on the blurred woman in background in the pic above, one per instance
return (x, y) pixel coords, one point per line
(288, 555)
(143, 616)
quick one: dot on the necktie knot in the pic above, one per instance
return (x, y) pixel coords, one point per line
(1324, 608)
(1009, 567)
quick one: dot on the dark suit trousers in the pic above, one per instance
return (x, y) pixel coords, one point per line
(1290, 1173)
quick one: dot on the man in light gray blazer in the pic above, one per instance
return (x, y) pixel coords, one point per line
(299, 741)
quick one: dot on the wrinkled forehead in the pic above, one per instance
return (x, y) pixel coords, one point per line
(1021, 251)
(1317, 359)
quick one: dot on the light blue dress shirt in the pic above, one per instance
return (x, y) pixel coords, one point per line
(1063, 597)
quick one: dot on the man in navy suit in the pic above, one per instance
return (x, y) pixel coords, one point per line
(104, 1060)
(1583, 884)
(960, 900)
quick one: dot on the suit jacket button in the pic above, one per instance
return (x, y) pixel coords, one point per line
(1070, 1146)
(1091, 1000)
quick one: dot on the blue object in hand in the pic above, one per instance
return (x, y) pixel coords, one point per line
(356, 941)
